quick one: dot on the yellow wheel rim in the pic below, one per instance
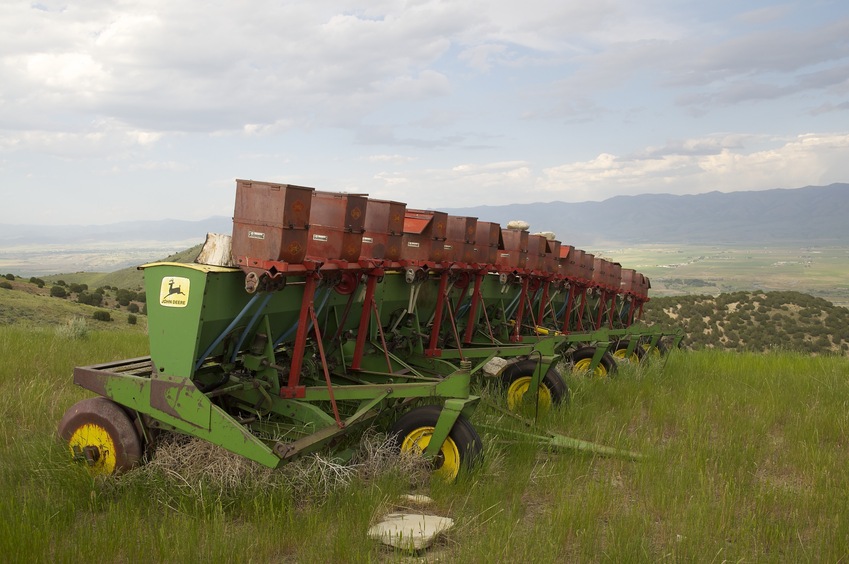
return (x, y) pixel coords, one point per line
(94, 444)
(516, 396)
(583, 366)
(621, 354)
(448, 459)
(652, 351)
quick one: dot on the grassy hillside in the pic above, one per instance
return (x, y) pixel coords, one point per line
(755, 321)
(746, 461)
(25, 303)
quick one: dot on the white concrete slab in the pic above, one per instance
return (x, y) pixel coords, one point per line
(411, 531)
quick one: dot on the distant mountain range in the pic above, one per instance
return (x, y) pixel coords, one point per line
(810, 215)
(166, 230)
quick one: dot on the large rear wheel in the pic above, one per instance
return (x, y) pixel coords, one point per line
(101, 435)
(412, 432)
(517, 380)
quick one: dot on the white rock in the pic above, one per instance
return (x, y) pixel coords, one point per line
(495, 366)
(549, 235)
(216, 250)
(518, 224)
(410, 531)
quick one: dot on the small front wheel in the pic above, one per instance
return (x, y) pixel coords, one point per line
(412, 432)
(656, 351)
(517, 378)
(620, 352)
(582, 360)
(101, 435)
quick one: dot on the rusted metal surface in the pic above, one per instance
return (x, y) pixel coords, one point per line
(536, 252)
(600, 276)
(487, 242)
(460, 242)
(270, 221)
(384, 229)
(424, 235)
(569, 265)
(629, 284)
(552, 256)
(337, 222)
(615, 273)
(587, 267)
(515, 252)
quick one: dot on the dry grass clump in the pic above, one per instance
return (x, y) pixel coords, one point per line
(378, 455)
(192, 463)
(193, 460)
(74, 328)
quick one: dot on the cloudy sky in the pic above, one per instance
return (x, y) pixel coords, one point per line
(151, 109)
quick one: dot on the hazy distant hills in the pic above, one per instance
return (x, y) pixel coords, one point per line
(810, 215)
(161, 230)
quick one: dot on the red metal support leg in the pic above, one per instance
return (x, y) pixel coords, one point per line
(436, 326)
(324, 367)
(365, 317)
(473, 309)
(516, 337)
(293, 389)
(543, 302)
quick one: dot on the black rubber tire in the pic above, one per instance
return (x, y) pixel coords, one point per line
(607, 366)
(552, 380)
(420, 421)
(113, 440)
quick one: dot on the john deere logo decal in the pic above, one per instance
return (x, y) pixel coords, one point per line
(174, 291)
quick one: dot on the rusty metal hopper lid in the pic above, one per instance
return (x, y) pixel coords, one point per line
(416, 225)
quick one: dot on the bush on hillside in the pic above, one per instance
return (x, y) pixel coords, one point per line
(58, 292)
(754, 321)
(102, 315)
(90, 299)
(77, 288)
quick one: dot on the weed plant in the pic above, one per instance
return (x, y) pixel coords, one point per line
(745, 458)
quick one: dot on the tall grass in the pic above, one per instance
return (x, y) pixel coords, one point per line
(745, 461)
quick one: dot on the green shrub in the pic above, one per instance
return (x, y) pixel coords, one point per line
(124, 297)
(90, 299)
(5, 285)
(132, 319)
(10, 276)
(58, 292)
(102, 315)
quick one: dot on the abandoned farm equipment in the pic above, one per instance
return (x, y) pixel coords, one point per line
(329, 312)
